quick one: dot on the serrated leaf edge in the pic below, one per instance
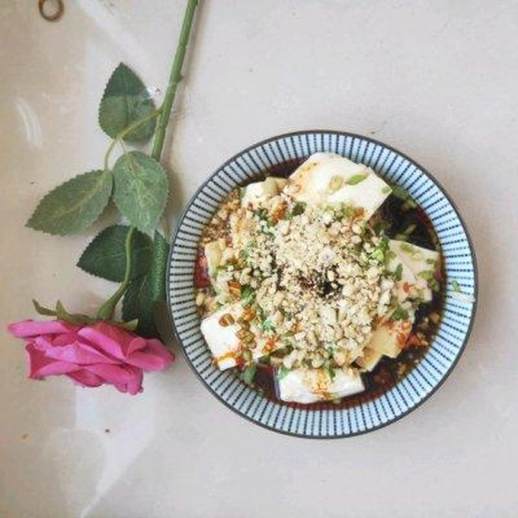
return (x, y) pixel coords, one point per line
(29, 224)
(131, 71)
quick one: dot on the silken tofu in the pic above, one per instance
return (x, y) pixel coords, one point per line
(329, 179)
(309, 386)
(223, 341)
(390, 335)
(422, 262)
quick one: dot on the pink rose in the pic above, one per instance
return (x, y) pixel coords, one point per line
(91, 355)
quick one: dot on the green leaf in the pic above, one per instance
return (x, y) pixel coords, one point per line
(134, 297)
(73, 318)
(248, 374)
(145, 292)
(398, 273)
(141, 189)
(355, 179)
(125, 101)
(74, 205)
(42, 310)
(105, 256)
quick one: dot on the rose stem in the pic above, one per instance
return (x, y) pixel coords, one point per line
(107, 309)
(174, 79)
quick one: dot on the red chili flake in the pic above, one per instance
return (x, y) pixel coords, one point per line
(413, 341)
(201, 271)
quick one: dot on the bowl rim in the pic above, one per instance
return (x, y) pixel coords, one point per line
(465, 340)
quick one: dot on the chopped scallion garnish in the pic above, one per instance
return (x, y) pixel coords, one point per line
(356, 179)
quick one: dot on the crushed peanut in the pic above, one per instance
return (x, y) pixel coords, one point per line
(309, 278)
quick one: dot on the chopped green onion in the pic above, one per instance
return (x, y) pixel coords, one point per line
(380, 252)
(267, 325)
(399, 314)
(248, 374)
(398, 273)
(377, 254)
(400, 193)
(282, 372)
(403, 236)
(456, 286)
(427, 275)
(407, 248)
(297, 210)
(389, 254)
(247, 295)
(356, 179)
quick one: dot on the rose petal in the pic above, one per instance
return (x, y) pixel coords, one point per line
(111, 339)
(40, 366)
(134, 384)
(42, 343)
(86, 378)
(158, 348)
(114, 374)
(79, 353)
(154, 358)
(65, 339)
(146, 361)
(136, 344)
(28, 328)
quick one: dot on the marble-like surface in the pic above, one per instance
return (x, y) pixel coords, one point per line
(438, 80)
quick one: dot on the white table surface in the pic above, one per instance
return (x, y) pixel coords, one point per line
(438, 80)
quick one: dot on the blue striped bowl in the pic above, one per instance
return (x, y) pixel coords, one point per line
(443, 353)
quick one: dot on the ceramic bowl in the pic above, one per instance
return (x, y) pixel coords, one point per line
(458, 312)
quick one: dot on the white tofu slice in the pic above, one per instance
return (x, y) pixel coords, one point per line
(390, 336)
(214, 254)
(323, 179)
(258, 192)
(418, 260)
(406, 287)
(313, 385)
(223, 341)
(370, 359)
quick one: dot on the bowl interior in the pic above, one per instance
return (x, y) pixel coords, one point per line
(458, 310)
